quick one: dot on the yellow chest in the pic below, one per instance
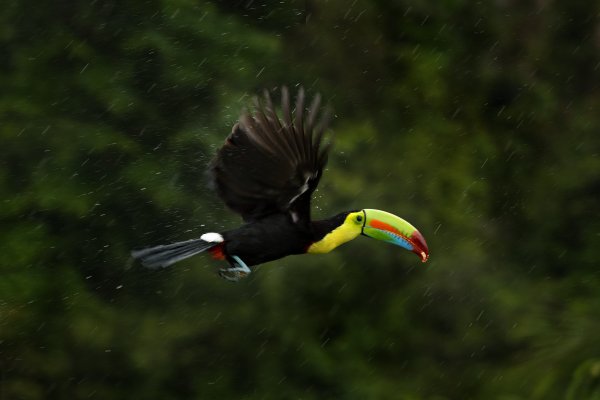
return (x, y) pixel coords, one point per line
(333, 239)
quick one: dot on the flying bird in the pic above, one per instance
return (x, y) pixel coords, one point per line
(266, 171)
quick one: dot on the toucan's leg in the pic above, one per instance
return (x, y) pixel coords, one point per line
(237, 271)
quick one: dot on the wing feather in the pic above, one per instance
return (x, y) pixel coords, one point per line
(270, 164)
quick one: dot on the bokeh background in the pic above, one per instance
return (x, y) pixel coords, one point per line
(477, 121)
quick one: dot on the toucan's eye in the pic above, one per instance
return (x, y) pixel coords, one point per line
(359, 218)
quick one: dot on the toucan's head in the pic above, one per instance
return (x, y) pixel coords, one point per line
(376, 224)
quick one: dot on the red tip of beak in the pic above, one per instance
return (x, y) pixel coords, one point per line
(420, 246)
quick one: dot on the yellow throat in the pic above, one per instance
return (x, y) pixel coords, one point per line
(347, 231)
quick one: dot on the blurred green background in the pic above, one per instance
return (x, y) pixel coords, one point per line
(477, 121)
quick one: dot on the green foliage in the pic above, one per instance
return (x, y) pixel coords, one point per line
(477, 122)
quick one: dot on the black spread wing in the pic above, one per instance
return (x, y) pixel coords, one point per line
(270, 164)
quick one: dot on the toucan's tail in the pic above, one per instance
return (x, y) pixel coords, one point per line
(165, 255)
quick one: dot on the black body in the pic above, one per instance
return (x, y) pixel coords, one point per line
(277, 236)
(267, 239)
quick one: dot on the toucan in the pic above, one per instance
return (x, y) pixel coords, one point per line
(266, 171)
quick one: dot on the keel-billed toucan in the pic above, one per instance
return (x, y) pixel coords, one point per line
(266, 171)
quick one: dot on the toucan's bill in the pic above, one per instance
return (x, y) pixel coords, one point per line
(387, 227)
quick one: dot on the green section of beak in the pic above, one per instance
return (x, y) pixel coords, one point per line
(390, 228)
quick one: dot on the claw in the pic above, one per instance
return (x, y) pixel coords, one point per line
(238, 271)
(232, 274)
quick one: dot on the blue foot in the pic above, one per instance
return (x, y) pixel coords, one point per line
(237, 271)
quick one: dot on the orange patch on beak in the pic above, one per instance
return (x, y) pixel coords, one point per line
(377, 224)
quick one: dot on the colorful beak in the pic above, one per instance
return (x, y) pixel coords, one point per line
(389, 228)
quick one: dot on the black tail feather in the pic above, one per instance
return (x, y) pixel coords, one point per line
(164, 255)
